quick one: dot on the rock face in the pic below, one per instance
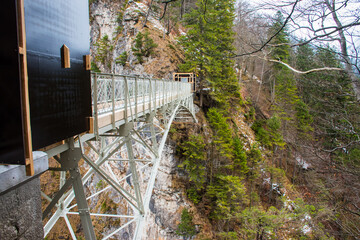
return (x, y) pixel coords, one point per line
(166, 202)
(121, 22)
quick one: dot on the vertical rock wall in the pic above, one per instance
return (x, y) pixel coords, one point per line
(166, 203)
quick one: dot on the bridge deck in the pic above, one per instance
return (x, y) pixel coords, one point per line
(115, 93)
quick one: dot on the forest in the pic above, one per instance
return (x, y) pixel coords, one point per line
(290, 69)
(304, 60)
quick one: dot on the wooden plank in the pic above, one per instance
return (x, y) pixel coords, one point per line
(87, 62)
(21, 50)
(65, 57)
(90, 122)
(29, 161)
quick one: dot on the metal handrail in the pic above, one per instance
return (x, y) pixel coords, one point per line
(118, 92)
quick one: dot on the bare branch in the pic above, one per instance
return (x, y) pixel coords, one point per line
(274, 35)
(302, 72)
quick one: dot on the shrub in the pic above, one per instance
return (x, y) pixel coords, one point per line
(144, 46)
(186, 228)
(122, 59)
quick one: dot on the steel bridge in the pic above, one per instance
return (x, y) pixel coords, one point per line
(131, 120)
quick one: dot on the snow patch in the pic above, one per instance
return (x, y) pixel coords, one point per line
(302, 163)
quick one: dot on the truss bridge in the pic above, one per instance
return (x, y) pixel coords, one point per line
(122, 151)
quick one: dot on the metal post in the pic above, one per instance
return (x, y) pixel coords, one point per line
(126, 90)
(134, 173)
(155, 92)
(143, 97)
(113, 100)
(150, 92)
(136, 98)
(95, 100)
(69, 160)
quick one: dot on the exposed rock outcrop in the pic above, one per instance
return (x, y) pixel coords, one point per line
(121, 22)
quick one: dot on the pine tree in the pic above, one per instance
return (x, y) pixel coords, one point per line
(222, 132)
(229, 196)
(144, 46)
(240, 159)
(208, 45)
(186, 228)
(288, 104)
(194, 163)
(331, 104)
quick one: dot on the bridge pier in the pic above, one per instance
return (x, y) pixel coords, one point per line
(20, 200)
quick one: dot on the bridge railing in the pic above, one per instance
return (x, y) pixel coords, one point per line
(132, 94)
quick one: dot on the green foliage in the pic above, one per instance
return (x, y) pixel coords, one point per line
(250, 116)
(94, 67)
(104, 49)
(172, 130)
(274, 124)
(171, 46)
(100, 185)
(268, 132)
(281, 51)
(193, 194)
(229, 196)
(208, 45)
(186, 228)
(104, 207)
(240, 158)
(257, 223)
(228, 236)
(122, 59)
(303, 117)
(330, 102)
(254, 157)
(144, 46)
(108, 206)
(222, 132)
(119, 18)
(194, 162)
(289, 107)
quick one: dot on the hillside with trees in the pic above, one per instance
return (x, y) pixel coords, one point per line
(276, 152)
(300, 178)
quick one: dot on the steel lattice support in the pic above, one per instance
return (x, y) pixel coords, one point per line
(133, 142)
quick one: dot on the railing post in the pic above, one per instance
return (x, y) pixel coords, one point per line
(126, 99)
(150, 90)
(113, 100)
(143, 94)
(95, 101)
(155, 92)
(136, 98)
(163, 95)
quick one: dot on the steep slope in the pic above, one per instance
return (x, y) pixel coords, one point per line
(114, 27)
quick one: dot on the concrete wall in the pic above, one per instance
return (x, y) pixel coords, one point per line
(20, 212)
(20, 201)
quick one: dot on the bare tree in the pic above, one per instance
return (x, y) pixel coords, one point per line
(321, 22)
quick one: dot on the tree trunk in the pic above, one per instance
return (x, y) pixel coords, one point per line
(344, 52)
(148, 13)
(261, 81)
